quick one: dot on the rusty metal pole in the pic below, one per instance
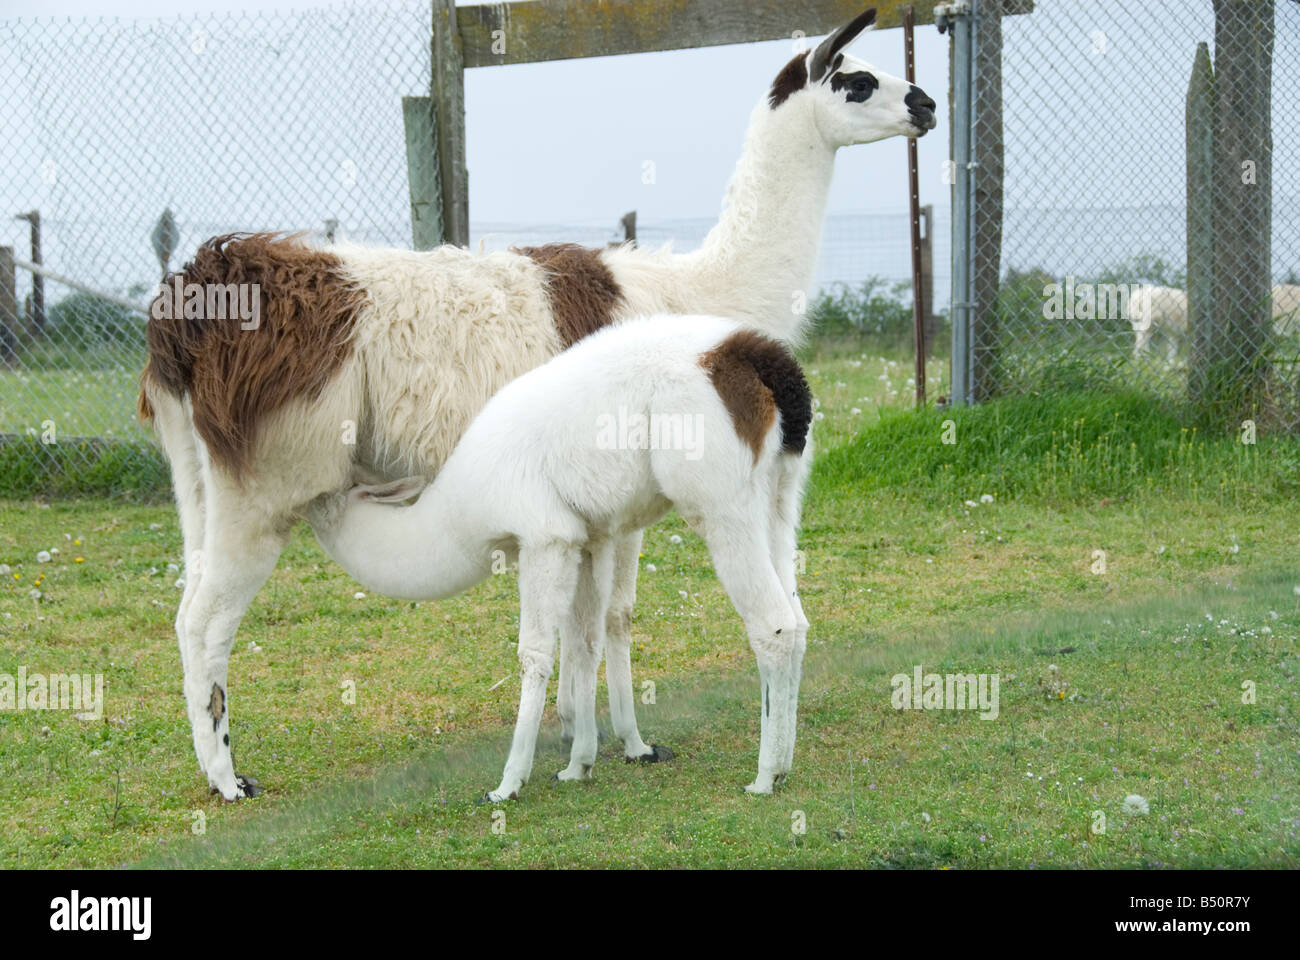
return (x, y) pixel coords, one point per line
(914, 201)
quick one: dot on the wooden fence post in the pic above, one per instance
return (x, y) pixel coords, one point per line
(448, 90)
(8, 309)
(1200, 223)
(987, 183)
(1243, 185)
(422, 173)
(36, 305)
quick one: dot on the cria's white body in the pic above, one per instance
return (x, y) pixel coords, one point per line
(534, 471)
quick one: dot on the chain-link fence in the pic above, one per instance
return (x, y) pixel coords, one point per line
(135, 140)
(130, 142)
(1132, 213)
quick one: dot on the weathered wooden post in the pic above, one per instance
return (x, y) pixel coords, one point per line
(36, 310)
(448, 91)
(1201, 315)
(422, 160)
(8, 309)
(986, 230)
(1243, 185)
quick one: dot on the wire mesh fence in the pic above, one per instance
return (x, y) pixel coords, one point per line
(132, 141)
(1135, 211)
(1133, 215)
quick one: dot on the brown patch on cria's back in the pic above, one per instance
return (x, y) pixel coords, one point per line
(580, 285)
(756, 377)
(235, 377)
(793, 77)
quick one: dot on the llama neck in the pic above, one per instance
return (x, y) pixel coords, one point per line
(764, 247)
(422, 552)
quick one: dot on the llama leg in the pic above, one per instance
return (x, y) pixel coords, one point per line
(177, 438)
(564, 689)
(548, 578)
(237, 559)
(787, 502)
(741, 557)
(618, 653)
(584, 635)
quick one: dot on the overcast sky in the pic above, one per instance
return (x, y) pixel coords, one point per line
(567, 141)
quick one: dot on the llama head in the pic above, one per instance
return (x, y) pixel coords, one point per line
(851, 101)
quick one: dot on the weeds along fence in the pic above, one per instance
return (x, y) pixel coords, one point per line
(1103, 148)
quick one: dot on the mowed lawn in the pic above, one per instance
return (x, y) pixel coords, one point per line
(1168, 672)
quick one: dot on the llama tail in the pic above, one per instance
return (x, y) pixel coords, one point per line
(746, 356)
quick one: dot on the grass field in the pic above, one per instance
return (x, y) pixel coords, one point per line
(1115, 680)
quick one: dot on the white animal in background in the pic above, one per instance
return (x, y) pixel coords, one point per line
(1163, 310)
(1286, 310)
(1158, 310)
(540, 474)
(368, 364)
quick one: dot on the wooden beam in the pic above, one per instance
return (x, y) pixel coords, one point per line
(422, 172)
(448, 91)
(529, 31)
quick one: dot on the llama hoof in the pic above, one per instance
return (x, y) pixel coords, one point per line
(756, 789)
(495, 796)
(583, 772)
(657, 754)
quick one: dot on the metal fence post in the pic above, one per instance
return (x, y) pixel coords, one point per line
(960, 18)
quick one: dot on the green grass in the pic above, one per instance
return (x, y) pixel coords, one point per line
(899, 571)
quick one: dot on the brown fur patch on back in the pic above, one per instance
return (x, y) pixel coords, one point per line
(237, 377)
(756, 376)
(792, 78)
(581, 287)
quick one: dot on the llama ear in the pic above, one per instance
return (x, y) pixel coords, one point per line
(836, 42)
(395, 491)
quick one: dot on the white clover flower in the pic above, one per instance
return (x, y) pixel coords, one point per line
(5, 571)
(986, 498)
(651, 568)
(854, 411)
(925, 817)
(971, 503)
(358, 595)
(43, 556)
(821, 416)
(34, 593)
(173, 568)
(1135, 805)
(675, 539)
(180, 583)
